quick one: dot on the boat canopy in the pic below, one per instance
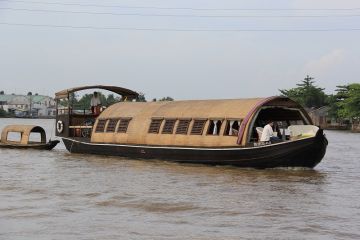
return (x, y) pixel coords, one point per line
(25, 131)
(214, 109)
(244, 111)
(125, 93)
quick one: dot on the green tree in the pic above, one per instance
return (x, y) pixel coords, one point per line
(2, 92)
(141, 98)
(166, 99)
(111, 100)
(3, 113)
(348, 98)
(307, 94)
(84, 102)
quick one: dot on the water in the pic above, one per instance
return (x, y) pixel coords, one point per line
(57, 195)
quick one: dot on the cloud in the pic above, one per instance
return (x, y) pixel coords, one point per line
(325, 63)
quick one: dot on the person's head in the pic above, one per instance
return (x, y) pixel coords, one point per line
(271, 123)
(95, 94)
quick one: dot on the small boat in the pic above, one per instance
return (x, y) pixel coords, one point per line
(23, 135)
(215, 132)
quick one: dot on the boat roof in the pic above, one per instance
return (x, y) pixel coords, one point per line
(217, 109)
(124, 92)
(25, 131)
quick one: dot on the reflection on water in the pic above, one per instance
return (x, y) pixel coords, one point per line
(57, 195)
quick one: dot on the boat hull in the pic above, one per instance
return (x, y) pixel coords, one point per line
(306, 152)
(42, 146)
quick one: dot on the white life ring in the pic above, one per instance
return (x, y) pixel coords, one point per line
(60, 126)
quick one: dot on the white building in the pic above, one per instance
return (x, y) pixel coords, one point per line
(28, 105)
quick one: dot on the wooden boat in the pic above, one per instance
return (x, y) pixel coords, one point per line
(216, 132)
(23, 141)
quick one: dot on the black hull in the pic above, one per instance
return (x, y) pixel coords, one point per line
(300, 153)
(45, 146)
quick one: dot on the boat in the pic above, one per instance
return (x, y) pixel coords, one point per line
(23, 135)
(215, 132)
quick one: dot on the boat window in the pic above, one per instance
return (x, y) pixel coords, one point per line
(123, 125)
(168, 126)
(214, 127)
(112, 125)
(63, 106)
(100, 125)
(183, 126)
(14, 137)
(232, 127)
(198, 126)
(155, 125)
(35, 137)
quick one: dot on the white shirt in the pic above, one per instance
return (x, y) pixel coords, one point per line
(95, 101)
(267, 133)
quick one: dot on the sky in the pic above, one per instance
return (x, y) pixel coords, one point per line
(203, 49)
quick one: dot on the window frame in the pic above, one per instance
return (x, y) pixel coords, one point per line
(227, 126)
(177, 131)
(201, 128)
(172, 127)
(114, 127)
(219, 129)
(104, 121)
(155, 129)
(120, 126)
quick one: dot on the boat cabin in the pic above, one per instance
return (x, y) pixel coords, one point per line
(23, 135)
(193, 123)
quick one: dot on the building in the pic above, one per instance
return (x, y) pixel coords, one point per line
(320, 117)
(28, 105)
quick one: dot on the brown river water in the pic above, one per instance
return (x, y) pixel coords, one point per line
(57, 195)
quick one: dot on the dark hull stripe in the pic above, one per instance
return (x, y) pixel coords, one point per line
(45, 146)
(301, 153)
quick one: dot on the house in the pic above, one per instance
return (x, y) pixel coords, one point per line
(28, 105)
(320, 117)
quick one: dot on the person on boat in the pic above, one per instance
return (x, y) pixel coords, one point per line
(268, 134)
(95, 103)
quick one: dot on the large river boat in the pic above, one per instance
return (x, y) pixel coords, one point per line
(216, 132)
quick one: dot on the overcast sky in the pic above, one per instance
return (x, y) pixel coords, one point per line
(160, 60)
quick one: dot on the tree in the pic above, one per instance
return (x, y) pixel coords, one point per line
(3, 113)
(2, 92)
(307, 94)
(111, 100)
(29, 93)
(166, 99)
(348, 98)
(141, 98)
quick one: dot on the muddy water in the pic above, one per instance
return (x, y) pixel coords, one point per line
(57, 195)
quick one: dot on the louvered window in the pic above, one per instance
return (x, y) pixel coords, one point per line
(169, 126)
(123, 125)
(111, 125)
(155, 125)
(198, 127)
(100, 127)
(183, 126)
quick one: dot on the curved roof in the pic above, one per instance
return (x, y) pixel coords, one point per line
(119, 90)
(25, 131)
(232, 108)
